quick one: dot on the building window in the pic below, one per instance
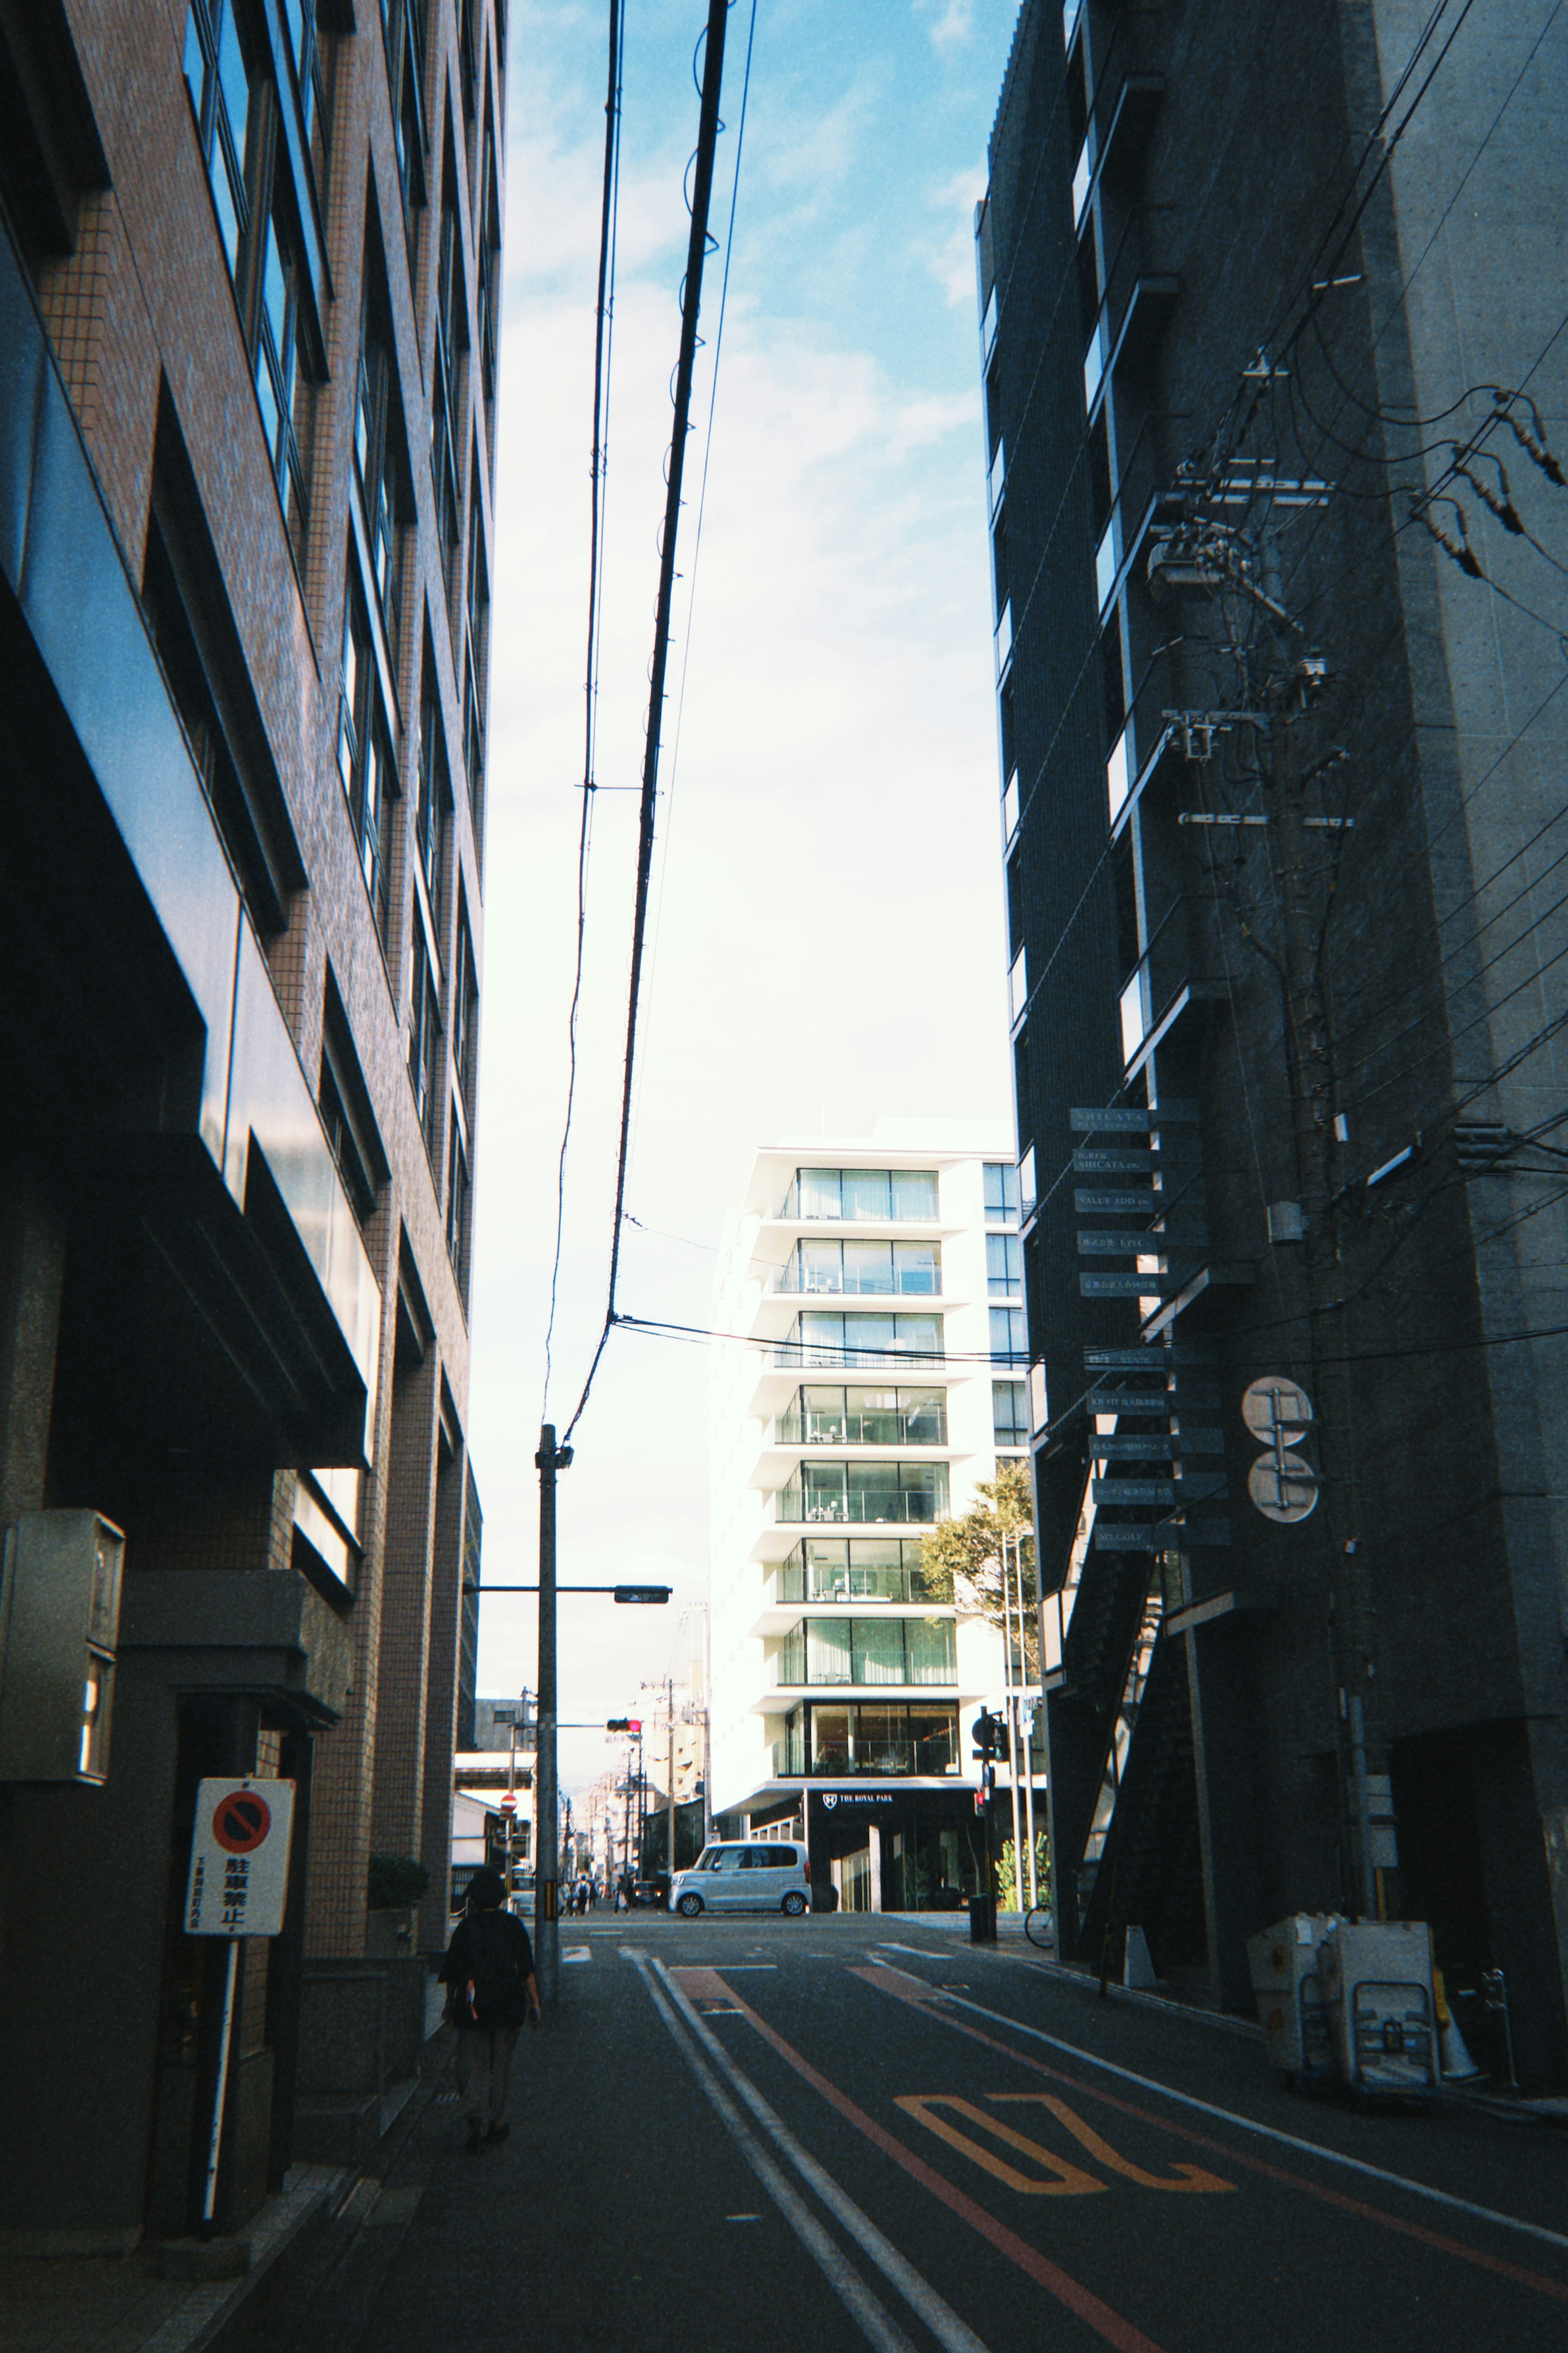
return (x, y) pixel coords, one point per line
(403, 40)
(1004, 1264)
(435, 794)
(831, 1341)
(879, 1196)
(479, 608)
(864, 1268)
(1009, 1341)
(310, 66)
(365, 759)
(343, 1101)
(380, 466)
(1010, 1412)
(489, 264)
(460, 1188)
(186, 603)
(867, 1651)
(885, 1737)
(218, 79)
(834, 1417)
(280, 375)
(425, 1043)
(1000, 1193)
(465, 1012)
(450, 341)
(873, 1493)
(860, 1569)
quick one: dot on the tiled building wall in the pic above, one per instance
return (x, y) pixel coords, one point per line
(144, 301)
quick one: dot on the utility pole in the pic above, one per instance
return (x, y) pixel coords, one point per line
(549, 1459)
(1312, 1104)
(1012, 1724)
(670, 1794)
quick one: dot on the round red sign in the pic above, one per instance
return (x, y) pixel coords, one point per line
(509, 1802)
(241, 1821)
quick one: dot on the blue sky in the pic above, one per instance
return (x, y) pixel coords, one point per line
(826, 945)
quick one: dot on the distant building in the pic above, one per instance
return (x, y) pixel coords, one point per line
(876, 1369)
(249, 270)
(1275, 378)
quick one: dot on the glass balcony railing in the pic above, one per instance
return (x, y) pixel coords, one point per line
(896, 1279)
(925, 1429)
(871, 1494)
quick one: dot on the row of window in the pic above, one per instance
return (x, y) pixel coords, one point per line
(882, 1195)
(867, 1492)
(860, 1569)
(886, 1736)
(868, 1269)
(830, 1341)
(833, 1416)
(866, 1651)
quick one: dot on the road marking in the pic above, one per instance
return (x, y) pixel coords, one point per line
(943, 2323)
(1078, 2299)
(938, 2005)
(742, 2218)
(876, 2326)
(577, 1953)
(1187, 2177)
(1056, 2178)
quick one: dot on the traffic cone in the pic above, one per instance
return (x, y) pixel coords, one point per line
(1457, 2065)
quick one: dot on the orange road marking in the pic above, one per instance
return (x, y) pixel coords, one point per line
(1078, 2299)
(1188, 2177)
(1063, 2180)
(933, 2004)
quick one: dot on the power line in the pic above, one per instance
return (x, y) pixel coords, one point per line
(690, 301)
(604, 317)
(696, 538)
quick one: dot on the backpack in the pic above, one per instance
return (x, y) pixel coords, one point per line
(492, 1994)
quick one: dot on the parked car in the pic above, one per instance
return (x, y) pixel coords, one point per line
(759, 1875)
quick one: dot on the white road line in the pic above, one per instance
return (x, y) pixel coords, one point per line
(922, 2299)
(876, 2326)
(1268, 2132)
(577, 1953)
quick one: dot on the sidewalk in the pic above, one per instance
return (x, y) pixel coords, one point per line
(119, 2304)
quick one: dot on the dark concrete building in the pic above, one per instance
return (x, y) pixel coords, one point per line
(249, 266)
(1274, 354)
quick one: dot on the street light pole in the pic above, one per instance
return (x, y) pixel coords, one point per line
(669, 1793)
(546, 1893)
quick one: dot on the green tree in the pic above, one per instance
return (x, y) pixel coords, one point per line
(1007, 1872)
(966, 1552)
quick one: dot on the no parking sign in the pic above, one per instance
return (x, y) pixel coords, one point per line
(239, 1859)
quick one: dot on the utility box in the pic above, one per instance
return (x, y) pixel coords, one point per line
(1283, 1961)
(59, 1623)
(1376, 1978)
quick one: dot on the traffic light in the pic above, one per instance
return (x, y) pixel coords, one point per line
(987, 1730)
(632, 1723)
(654, 1594)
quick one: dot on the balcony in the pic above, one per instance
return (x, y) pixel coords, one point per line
(869, 1494)
(881, 1196)
(917, 1417)
(880, 1570)
(879, 1343)
(844, 1740)
(863, 1270)
(865, 1651)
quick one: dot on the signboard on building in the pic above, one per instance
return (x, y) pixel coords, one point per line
(239, 1858)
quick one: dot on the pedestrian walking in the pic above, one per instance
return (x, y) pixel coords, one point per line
(490, 1990)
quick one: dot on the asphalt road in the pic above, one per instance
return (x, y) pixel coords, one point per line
(859, 2131)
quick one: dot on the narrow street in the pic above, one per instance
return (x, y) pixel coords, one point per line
(862, 2130)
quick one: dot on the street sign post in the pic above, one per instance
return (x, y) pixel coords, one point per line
(237, 1886)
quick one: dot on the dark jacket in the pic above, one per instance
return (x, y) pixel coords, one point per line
(473, 1953)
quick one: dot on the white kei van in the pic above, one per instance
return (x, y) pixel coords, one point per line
(763, 1875)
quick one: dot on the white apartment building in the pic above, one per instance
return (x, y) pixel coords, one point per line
(877, 1368)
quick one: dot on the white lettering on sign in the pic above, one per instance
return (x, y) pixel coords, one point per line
(238, 1880)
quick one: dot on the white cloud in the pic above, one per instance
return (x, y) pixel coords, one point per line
(954, 28)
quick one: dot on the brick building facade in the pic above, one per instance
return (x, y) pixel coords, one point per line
(250, 270)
